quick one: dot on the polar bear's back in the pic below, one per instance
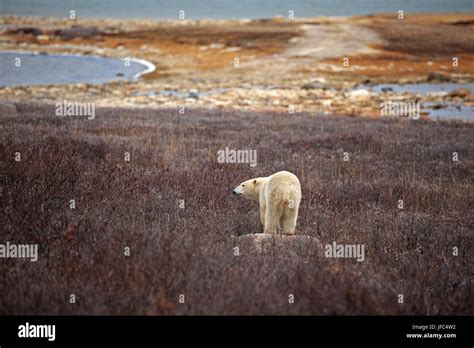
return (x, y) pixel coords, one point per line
(284, 177)
(283, 187)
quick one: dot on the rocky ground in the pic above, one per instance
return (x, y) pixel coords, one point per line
(282, 64)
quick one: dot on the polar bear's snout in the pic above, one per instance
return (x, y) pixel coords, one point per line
(238, 190)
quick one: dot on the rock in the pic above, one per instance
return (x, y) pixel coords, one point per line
(327, 103)
(42, 37)
(216, 46)
(8, 108)
(84, 32)
(460, 93)
(469, 98)
(314, 85)
(405, 80)
(434, 95)
(233, 49)
(111, 30)
(318, 79)
(438, 77)
(359, 93)
(274, 244)
(26, 30)
(387, 89)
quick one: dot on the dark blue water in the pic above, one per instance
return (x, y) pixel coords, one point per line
(421, 88)
(199, 9)
(450, 111)
(58, 69)
(445, 110)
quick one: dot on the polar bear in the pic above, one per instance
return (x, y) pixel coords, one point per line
(279, 196)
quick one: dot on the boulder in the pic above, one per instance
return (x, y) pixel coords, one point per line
(386, 89)
(314, 85)
(460, 93)
(359, 94)
(438, 77)
(274, 244)
(26, 30)
(78, 32)
(43, 37)
(469, 98)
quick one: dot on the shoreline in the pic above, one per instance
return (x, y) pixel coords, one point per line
(282, 63)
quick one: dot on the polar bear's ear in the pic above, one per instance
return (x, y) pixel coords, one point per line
(255, 181)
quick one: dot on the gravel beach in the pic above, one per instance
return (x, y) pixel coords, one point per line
(322, 64)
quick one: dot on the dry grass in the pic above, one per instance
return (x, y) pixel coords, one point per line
(428, 36)
(413, 47)
(189, 250)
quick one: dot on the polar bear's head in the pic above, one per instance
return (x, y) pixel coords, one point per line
(249, 189)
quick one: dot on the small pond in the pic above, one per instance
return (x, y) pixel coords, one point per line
(48, 69)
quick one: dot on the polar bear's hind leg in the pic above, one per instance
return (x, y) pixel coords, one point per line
(288, 220)
(273, 216)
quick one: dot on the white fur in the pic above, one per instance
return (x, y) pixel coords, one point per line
(279, 196)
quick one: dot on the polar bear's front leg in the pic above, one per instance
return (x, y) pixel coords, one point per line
(263, 207)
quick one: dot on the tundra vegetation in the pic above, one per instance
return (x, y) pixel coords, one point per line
(134, 214)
